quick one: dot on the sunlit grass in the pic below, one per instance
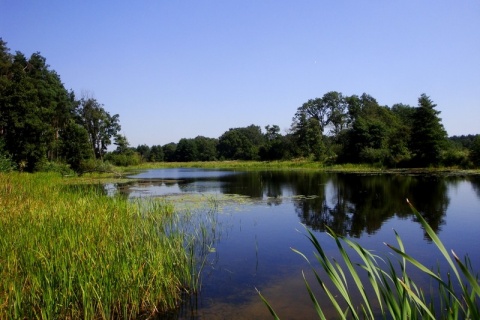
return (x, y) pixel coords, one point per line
(71, 252)
(395, 295)
(258, 165)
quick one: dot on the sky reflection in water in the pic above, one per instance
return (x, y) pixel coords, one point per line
(254, 250)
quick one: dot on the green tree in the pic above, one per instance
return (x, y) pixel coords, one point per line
(275, 146)
(121, 141)
(144, 151)
(337, 107)
(475, 151)
(428, 134)
(169, 151)
(206, 148)
(75, 146)
(308, 137)
(186, 150)
(100, 125)
(377, 134)
(241, 143)
(156, 154)
(34, 108)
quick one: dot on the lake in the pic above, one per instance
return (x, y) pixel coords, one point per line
(253, 244)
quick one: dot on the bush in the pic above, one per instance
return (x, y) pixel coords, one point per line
(124, 159)
(62, 168)
(94, 165)
(456, 158)
(6, 163)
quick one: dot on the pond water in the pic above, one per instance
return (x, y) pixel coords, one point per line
(254, 248)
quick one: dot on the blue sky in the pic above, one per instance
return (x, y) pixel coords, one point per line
(179, 69)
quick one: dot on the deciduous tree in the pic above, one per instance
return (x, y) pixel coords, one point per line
(100, 125)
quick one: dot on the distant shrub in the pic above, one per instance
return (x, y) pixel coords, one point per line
(6, 163)
(124, 159)
(49, 166)
(457, 158)
(94, 165)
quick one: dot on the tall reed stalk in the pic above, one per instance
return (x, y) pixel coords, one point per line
(71, 252)
(395, 294)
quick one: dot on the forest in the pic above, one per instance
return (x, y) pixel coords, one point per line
(44, 127)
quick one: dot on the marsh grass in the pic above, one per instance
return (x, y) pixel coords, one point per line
(454, 294)
(75, 253)
(259, 165)
(298, 164)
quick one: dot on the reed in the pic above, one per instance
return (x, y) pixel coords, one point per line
(395, 293)
(71, 252)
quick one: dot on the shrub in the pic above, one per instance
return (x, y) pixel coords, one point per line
(62, 168)
(6, 163)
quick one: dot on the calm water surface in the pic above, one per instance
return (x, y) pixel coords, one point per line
(253, 249)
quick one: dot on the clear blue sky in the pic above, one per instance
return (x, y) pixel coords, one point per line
(179, 69)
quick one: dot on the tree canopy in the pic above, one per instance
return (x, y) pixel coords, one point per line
(41, 122)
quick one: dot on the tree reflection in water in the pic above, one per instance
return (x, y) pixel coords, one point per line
(349, 204)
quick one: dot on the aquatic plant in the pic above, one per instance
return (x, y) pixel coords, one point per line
(395, 293)
(69, 251)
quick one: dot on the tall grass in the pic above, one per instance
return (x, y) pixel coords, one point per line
(71, 252)
(395, 294)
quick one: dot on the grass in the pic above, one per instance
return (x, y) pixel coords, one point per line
(258, 165)
(395, 293)
(68, 251)
(300, 164)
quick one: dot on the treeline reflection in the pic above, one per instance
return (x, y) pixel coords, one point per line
(349, 204)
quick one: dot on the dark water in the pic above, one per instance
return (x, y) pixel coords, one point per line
(254, 249)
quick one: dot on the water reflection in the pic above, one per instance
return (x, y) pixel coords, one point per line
(254, 250)
(349, 204)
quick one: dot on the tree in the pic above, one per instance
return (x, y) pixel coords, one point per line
(337, 108)
(121, 141)
(475, 151)
(169, 151)
(75, 146)
(144, 151)
(330, 110)
(376, 134)
(428, 134)
(241, 143)
(206, 148)
(308, 137)
(156, 154)
(34, 108)
(275, 146)
(186, 150)
(100, 125)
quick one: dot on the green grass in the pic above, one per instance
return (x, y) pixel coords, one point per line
(300, 164)
(395, 294)
(68, 251)
(258, 165)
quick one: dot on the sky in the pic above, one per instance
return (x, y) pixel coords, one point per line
(186, 68)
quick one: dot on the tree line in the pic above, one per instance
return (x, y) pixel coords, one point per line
(337, 129)
(43, 125)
